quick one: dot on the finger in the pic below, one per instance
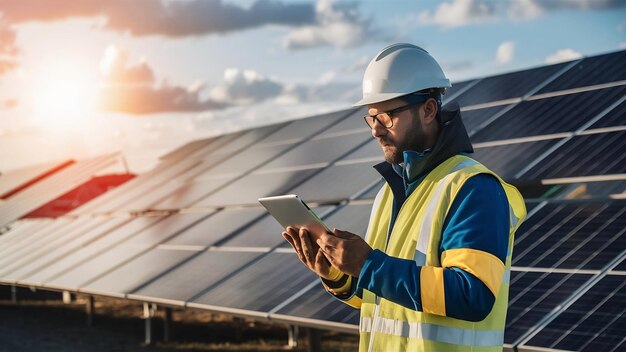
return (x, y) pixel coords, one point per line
(307, 248)
(295, 242)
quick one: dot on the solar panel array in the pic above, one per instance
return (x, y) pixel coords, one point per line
(190, 233)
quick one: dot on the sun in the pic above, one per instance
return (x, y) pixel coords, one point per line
(64, 94)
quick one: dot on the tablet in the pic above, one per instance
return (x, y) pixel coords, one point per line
(290, 210)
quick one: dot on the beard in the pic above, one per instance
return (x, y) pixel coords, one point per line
(394, 151)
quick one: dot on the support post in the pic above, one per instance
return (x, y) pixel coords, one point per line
(148, 314)
(315, 340)
(67, 297)
(89, 308)
(13, 293)
(292, 332)
(167, 319)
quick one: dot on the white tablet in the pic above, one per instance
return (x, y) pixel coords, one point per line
(290, 210)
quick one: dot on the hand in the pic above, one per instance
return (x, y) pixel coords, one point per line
(345, 251)
(309, 253)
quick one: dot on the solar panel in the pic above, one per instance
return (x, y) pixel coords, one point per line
(474, 119)
(72, 240)
(318, 150)
(316, 303)
(216, 227)
(247, 292)
(615, 117)
(456, 88)
(337, 182)
(70, 257)
(507, 86)
(584, 155)
(594, 322)
(137, 271)
(132, 246)
(562, 113)
(187, 279)
(572, 235)
(590, 71)
(509, 159)
(249, 188)
(533, 295)
(298, 130)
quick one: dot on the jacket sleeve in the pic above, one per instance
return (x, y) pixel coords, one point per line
(473, 250)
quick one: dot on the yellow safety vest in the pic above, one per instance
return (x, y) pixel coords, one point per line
(416, 235)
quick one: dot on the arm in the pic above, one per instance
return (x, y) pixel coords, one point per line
(473, 249)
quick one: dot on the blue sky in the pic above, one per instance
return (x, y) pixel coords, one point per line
(82, 78)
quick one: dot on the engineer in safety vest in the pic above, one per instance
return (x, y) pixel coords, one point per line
(433, 271)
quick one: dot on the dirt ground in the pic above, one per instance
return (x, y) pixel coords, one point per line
(51, 325)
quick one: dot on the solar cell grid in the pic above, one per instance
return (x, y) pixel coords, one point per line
(137, 271)
(216, 227)
(585, 155)
(474, 119)
(615, 117)
(509, 159)
(110, 258)
(507, 86)
(74, 258)
(350, 123)
(572, 236)
(251, 187)
(590, 71)
(594, 322)
(75, 240)
(455, 89)
(298, 130)
(188, 193)
(188, 278)
(249, 289)
(533, 295)
(322, 150)
(316, 303)
(337, 182)
(564, 113)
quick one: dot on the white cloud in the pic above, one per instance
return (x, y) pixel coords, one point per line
(525, 10)
(563, 55)
(505, 52)
(327, 77)
(245, 87)
(459, 13)
(337, 24)
(622, 45)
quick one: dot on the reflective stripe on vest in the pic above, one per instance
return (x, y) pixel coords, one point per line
(425, 232)
(446, 334)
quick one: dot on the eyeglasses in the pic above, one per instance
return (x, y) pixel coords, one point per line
(386, 118)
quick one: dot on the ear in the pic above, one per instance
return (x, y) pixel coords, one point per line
(430, 111)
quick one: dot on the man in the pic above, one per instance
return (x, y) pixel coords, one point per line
(433, 272)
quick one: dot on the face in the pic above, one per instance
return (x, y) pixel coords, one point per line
(407, 133)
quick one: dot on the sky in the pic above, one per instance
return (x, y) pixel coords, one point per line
(141, 77)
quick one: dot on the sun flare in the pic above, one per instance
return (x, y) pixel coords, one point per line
(64, 95)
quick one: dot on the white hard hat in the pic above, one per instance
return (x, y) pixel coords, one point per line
(398, 70)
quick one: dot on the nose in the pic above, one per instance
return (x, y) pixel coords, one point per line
(378, 129)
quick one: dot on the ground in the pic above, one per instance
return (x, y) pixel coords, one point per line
(51, 325)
